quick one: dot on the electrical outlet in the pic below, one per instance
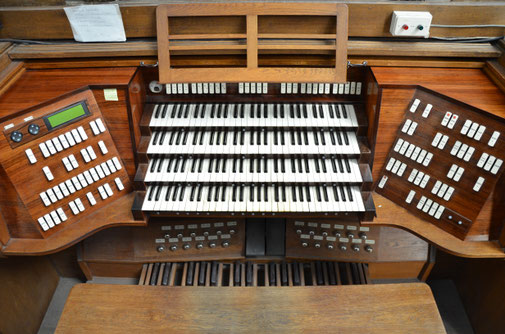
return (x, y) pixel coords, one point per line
(411, 24)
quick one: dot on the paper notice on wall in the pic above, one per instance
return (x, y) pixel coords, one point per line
(96, 23)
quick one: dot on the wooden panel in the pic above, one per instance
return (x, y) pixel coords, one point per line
(395, 270)
(392, 308)
(471, 86)
(365, 19)
(26, 286)
(464, 204)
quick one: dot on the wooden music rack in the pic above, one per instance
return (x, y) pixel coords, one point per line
(252, 34)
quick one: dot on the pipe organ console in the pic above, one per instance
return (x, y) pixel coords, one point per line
(289, 172)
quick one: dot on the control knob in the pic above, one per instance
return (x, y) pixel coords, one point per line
(317, 245)
(33, 129)
(161, 248)
(363, 235)
(337, 234)
(355, 248)
(350, 235)
(16, 136)
(199, 245)
(186, 246)
(343, 247)
(305, 245)
(173, 248)
(225, 244)
(369, 249)
(330, 246)
(212, 245)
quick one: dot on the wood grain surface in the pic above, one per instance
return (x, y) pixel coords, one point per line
(392, 308)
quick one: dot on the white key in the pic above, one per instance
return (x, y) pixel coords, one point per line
(49, 220)
(427, 110)
(76, 183)
(383, 181)
(473, 130)
(421, 202)
(96, 131)
(62, 214)
(57, 144)
(73, 161)
(449, 193)
(30, 156)
(103, 195)
(496, 166)
(44, 150)
(76, 136)
(493, 139)
(428, 158)
(70, 186)
(390, 164)
(79, 204)
(111, 166)
(45, 199)
(459, 174)
(421, 156)
(73, 207)
(439, 212)
(469, 153)
(70, 138)
(88, 177)
(48, 173)
(482, 160)
(82, 180)
(406, 125)
(414, 106)
(427, 205)
(466, 127)
(402, 169)
(50, 147)
(412, 128)
(85, 155)
(108, 189)
(446, 118)
(480, 132)
(404, 147)
(419, 178)
(452, 171)
(91, 152)
(410, 196)
(105, 169)
(397, 164)
(410, 150)
(43, 224)
(117, 164)
(64, 189)
(119, 184)
(103, 147)
(443, 141)
(57, 192)
(442, 190)
(424, 181)
(82, 133)
(412, 175)
(478, 184)
(416, 153)
(398, 145)
(436, 139)
(453, 121)
(436, 187)
(489, 163)
(94, 174)
(456, 147)
(64, 141)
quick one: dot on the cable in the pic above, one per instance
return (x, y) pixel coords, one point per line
(468, 39)
(469, 26)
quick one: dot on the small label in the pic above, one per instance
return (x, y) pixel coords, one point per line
(331, 239)
(351, 227)
(179, 227)
(8, 126)
(225, 236)
(364, 229)
(186, 239)
(304, 236)
(212, 237)
(192, 226)
(200, 238)
(218, 224)
(325, 225)
(110, 94)
(166, 228)
(370, 242)
(206, 225)
(233, 223)
(338, 227)
(343, 239)
(356, 241)
(297, 223)
(312, 224)
(173, 240)
(27, 119)
(159, 241)
(318, 237)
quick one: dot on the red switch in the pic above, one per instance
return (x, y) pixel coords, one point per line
(405, 27)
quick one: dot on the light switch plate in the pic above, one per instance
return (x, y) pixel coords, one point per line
(410, 24)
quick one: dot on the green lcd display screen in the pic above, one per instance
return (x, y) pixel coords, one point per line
(66, 115)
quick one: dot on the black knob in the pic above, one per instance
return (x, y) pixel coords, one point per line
(212, 245)
(161, 248)
(225, 244)
(199, 245)
(16, 136)
(186, 246)
(355, 248)
(33, 129)
(369, 249)
(363, 235)
(173, 248)
(343, 247)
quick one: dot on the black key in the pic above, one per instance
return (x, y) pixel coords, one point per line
(176, 168)
(202, 136)
(225, 137)
(251, 193)
(300, 193)
(216, 194)
(195, 137)
(296, 274)
(282, 137)
(242, 137)
(249, 274)
(167, 195)
(276, 192)
(179, 137)
(242, 164)
(154, 274)
(174, 195)
(276, 166)
(314, 111)
(199, 195)
(258, 111)
(334, 165)
(316, 140)
(235, 111)
(318, 194)
(166, 273)
(307, 168)
(234, 168)
(251, 113)
(190, 273)
(242, 111)
(300, 165)
(223, 194)
(219, 111)
(319, 273)
(337, 111)
(158, 110)
(307, 192)
(349, 193)
(282, 111)
(276, 141)
(212, 111)
(174, 110)
(234, 193)
(335, 193)
(284, 274)
(321, 112)
(185, 138)
(265, 187)
(340, 165)
(211, 139)
(251, 140)
(272, 279)
(181, 196)
(291, 111)
(265, 137)
(306, 137)
(181, 111)
(346, 138)
(200, 165)
(347, 165)
(276, 109)
(235, 137)
(218, 138)
(323, 164)
(323, 141)
(265, 111)
(203, 111)
(211, 161)
(330, 108)
(325, 193)
(156, 136)
(344, 112)
(283, 192)
(158, 170)
(213, 273)
(265, 165)
(197, 110)
(241, 198)
(216, 169)
(153, 165)
(209, 194)
(237, 274)
(332, 137)
(258, 138)
(223, 168)
(225, 112)
(192, 195)
(258, 193)
(202, 273)
(183, 167)
(162, 138)
(342, 194)
(293, 166)
(283, 166)
(158, 193)
(172, 137)
(251, 166)
(193, 165)
(299, 137)
(339, 137)
(305, 115)
(293, 193)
